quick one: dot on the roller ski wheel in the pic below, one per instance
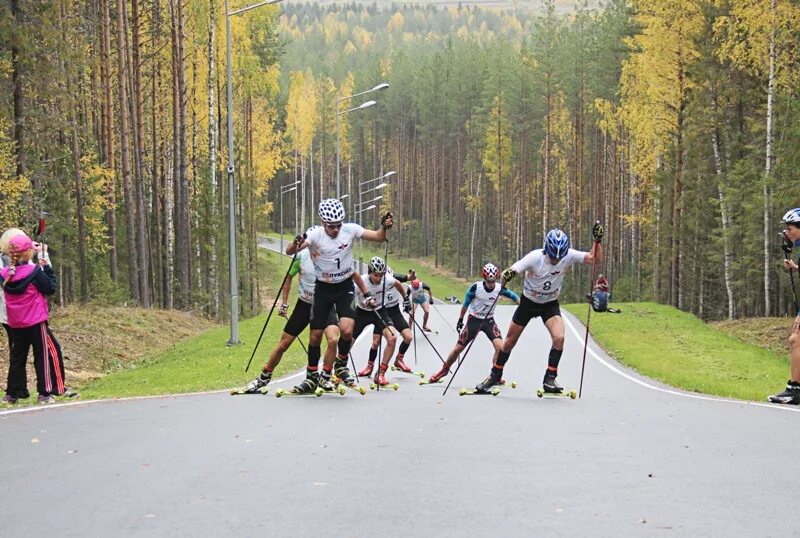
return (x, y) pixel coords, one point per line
(474, 392)
(513, 384)
(392, 386)
(261, 391)
(571, 394)
(342, 388)
(415, 374)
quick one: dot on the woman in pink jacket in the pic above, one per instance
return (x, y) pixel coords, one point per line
(25, 286)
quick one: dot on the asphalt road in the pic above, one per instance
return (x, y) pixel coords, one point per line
(630, 458)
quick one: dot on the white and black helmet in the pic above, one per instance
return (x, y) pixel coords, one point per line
(792, 216)
(377, 265)
(490, 272)
(331, 210)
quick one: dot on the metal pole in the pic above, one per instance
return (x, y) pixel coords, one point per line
(234, 282)
(338, 172)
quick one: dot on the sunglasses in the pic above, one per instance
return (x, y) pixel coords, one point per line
(333, 226)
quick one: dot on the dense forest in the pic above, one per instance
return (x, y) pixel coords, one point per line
(673, 122)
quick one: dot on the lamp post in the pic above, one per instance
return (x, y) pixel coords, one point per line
(285, 189)
(367, 104)
(234, 281)
(361, 204)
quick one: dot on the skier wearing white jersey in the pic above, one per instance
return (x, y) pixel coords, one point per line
(392, 307)
(298, 321)
(544, 271)
(791, 237)
(479, 303)
(372, 311)
(331, 248)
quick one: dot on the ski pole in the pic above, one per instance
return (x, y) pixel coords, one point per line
(466, 352)
(277, 296)
(444, 318)
(787, 252)
(416, 323)
(588, 317)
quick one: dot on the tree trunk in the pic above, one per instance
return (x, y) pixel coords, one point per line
(724, 212)
(108, 130)
(211, 275)
(130, 224)
(768, 163)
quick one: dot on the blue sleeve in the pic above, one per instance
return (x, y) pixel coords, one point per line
(510, 294)
(470, 295)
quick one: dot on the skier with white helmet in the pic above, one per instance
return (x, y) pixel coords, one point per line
(381, 285)
(544, 274)
(791, 235)
(479, 301)
(392, 306)
(331, 247)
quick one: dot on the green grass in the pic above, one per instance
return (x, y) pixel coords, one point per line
(678, 349)
(205, 362)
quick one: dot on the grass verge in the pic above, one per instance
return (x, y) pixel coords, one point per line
(678, 349)
(206, 362)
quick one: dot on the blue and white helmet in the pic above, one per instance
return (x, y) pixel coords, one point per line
(792, 216)
(556, 244)
(331, 210)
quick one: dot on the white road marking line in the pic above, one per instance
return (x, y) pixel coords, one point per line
(629, 377)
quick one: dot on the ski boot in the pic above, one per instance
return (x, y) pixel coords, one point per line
(367, 371)
(343, 375)
(439, 375)
(324, 382)
(255, 385)
(550, 385)
(790, 396)
(308, 385)
(400, 364)
(380, 377)
(485, 386)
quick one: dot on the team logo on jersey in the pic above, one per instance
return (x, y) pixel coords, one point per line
(554, 273)
(343, 246)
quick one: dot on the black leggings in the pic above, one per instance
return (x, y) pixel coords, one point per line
(47, 361)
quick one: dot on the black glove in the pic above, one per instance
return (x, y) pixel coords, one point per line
(508, 274)
(299, 238)
(787, 244)
(387, 220)
(459, 325)
(283, 309)
(407, 305)
(597, 232)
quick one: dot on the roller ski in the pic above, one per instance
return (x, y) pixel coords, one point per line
(550, 387)
(790, 396)
(308, 387)
(327, 385)
(401, 366)
(367, 371)
(429, 330)
(474, 392)
(436, 378)
(380, 381)
(256, 386)
(342, 378)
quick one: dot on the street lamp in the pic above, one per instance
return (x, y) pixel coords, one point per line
(381, 86)
(231, 176)
(361, 204)
(285, 189)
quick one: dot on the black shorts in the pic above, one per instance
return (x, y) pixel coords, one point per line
(301, 317)
(398, 320)
(364, 318)
(327, 296)
(527, 310)
(477, 325)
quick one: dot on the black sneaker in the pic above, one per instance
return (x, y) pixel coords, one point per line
(790, 396)
(69, 393)
(485, 386)
(550, 385)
